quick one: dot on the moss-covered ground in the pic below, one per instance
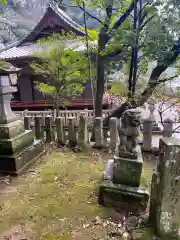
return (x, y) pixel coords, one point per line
(58, 200)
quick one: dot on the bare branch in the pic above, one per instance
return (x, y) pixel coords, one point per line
(173, 131)
(90, 15)
(167, 79)
(161, 118)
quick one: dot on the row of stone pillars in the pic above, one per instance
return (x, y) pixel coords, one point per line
(48, 130)
(148, 132)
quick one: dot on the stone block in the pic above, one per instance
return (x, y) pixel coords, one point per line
(16, 163)
(12, 129)
(128, 171)
(17, 143)
(119, 193)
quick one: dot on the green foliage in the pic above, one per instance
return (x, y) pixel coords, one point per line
(119, 89)
(63, 67)
(3, 1)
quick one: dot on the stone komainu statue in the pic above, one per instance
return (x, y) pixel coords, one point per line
(129, 133)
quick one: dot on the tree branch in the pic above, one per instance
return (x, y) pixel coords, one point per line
(146, 22)
(167, 79)
(90, 15)
(169, 59)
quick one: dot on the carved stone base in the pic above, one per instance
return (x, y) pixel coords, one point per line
(16, 163)
(127, 171)
(122, 193)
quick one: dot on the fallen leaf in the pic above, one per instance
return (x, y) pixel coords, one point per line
(86, 225)
(125, 235)
(119, 225)
(97, 220)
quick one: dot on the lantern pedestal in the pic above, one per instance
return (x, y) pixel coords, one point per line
(17, 145)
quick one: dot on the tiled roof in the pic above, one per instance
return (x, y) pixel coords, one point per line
(65, 17)
(62, 15)
(22, 50)
(18, 52)
(31, 49)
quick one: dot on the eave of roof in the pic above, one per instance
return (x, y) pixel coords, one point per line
(61, 14)
(29, 51)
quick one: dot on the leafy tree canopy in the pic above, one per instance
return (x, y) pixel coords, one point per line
(63, 67)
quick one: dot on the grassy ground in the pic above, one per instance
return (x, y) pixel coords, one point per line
(58, 200)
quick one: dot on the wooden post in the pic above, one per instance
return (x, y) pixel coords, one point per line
(168, 127)
(99, 136)
(60, 130)
(48, 128)
(147, 134)
(27, 122)
(72, 132)
(113, 124)
(82, 130)
(37, 126)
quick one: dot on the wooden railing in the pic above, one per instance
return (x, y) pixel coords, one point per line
(49, 103)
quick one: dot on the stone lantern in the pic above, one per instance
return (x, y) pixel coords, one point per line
(17, 145)
(7, 77)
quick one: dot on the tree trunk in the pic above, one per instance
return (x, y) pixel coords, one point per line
(100, 80)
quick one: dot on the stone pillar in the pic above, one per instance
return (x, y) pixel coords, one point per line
(147, 134)
(151, 110)
(37, 127)
(27, 122)
(48, 128)
(82, 131)
(165, 187)
(99, 136)
(60, 130)
(113, 124)
(72, 132)
(155, 128)
(168, 127)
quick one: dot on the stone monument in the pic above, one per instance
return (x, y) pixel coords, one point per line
(17, 145)
(123, 173)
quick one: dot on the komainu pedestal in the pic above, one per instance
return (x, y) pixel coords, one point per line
(124, 182)
(127, 171)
